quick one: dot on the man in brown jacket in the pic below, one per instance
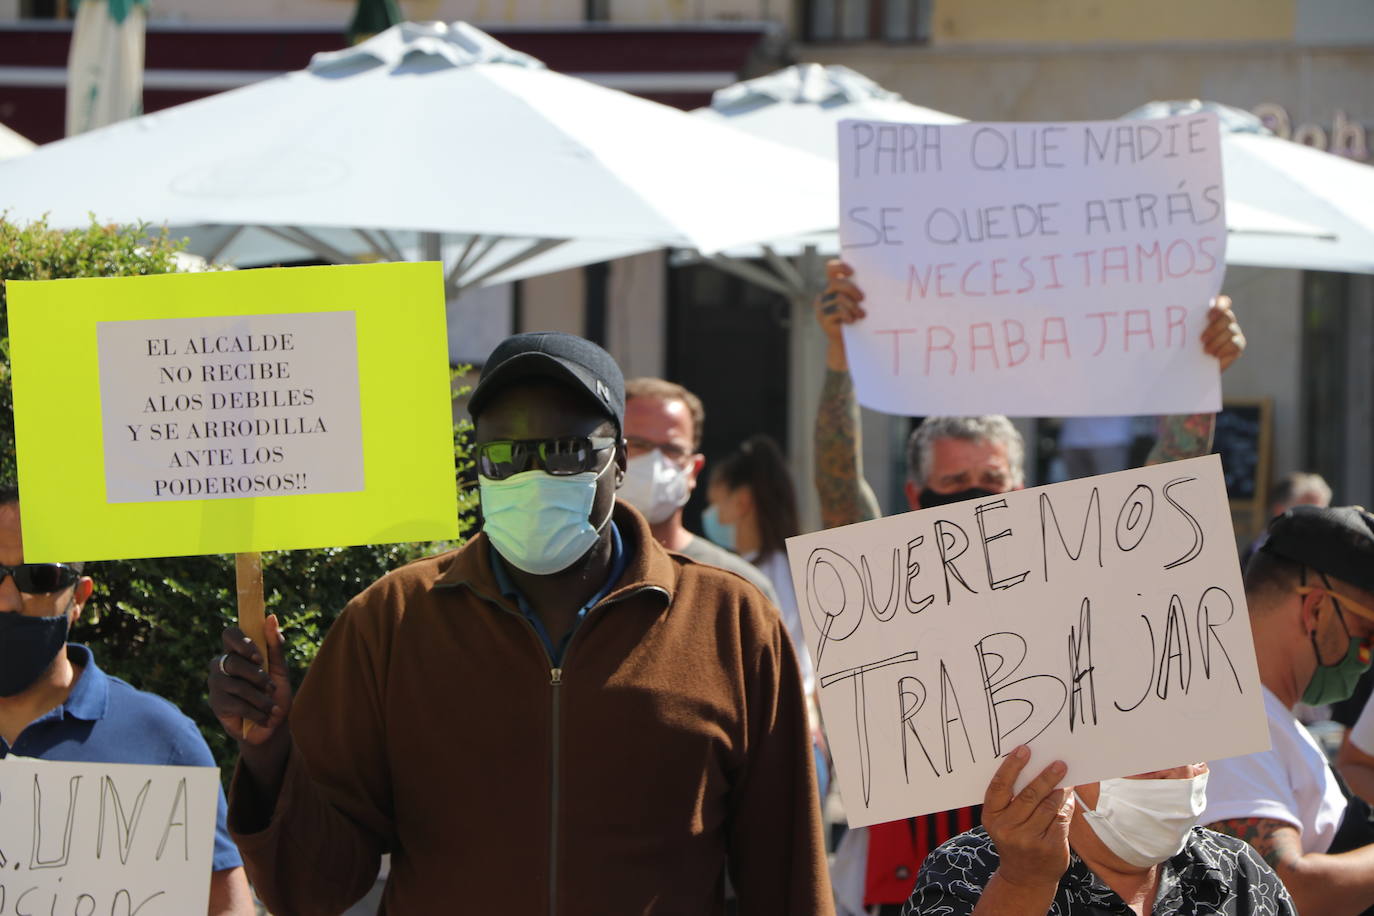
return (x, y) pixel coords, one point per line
(558, 718)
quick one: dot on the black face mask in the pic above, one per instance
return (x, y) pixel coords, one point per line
(930, 499)
(27, 647)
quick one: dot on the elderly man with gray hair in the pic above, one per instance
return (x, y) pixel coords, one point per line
(948, 459)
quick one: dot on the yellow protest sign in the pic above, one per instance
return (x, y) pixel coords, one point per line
(232, 412)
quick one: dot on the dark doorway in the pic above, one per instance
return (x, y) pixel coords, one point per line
(727, 342)
(1325, 400)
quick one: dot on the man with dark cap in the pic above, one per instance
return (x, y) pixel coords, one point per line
(559, 718)
(1310, 589)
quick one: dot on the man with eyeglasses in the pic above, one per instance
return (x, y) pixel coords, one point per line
(558, 718)
(663, 423)
(56, 703)
(1310, 590)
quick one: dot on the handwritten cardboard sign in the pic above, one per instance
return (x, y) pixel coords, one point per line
(1033, 269)
(96, 838)
(232, 412)
(1101, 621)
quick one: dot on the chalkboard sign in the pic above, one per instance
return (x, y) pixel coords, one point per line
(1244, 430)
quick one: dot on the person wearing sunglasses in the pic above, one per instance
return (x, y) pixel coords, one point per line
(1310, 592)
(560, 717)
(56, 703)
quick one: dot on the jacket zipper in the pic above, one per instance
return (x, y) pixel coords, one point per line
(556, 709)
(556, 683)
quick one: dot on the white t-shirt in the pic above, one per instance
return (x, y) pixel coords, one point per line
(775, 567)
(1290, 782)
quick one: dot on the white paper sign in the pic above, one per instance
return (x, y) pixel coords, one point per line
(230, 407)
(90, 839)
(1033, 269)
(1100, 621)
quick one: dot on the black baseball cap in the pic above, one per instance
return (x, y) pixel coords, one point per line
(1338, 541)
(564, 359)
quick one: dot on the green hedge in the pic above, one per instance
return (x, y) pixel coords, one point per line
(157, 623)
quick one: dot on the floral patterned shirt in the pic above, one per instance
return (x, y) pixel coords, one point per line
(1214, 874)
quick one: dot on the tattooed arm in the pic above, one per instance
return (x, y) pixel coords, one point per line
(1190, 435)
(1182, 436)
(1331, 885)
(845, 497)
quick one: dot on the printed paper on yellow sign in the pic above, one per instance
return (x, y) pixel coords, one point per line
(232, 412)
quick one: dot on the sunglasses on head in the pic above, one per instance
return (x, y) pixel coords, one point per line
(502, 458)
(40, 578)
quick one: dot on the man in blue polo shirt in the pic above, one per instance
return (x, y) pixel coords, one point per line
(56, 703)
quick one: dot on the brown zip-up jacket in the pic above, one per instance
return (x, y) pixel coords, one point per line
(670, 745)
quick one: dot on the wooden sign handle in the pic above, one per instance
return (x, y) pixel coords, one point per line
(252, 619)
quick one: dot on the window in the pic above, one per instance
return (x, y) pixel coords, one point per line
(44, 9)
(868, 20)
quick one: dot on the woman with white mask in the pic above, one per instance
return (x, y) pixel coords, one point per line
(1119, 846)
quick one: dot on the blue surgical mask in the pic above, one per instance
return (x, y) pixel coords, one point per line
(540, 523)
(716, 530)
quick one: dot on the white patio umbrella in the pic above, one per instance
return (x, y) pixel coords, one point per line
(800, 107)
(1310, 210)
(1279, 195)
(14, 144)
(424, 133)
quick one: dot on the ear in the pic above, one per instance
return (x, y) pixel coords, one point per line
(694, 465)
(622, 459)
(1307, 615)
(913, 493)
(81, 593)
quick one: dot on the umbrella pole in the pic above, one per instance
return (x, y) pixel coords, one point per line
(252, 620)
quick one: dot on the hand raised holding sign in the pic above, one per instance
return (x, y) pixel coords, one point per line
(837, 306)
(841, 304)
(1030, 829)
(242, 691)
(1222, 338)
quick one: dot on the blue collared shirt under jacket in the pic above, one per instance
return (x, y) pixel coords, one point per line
(105, 720)
(619, 560)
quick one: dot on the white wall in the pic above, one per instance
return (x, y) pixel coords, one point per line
(553, 302)
(1268, 304)
(637, 313)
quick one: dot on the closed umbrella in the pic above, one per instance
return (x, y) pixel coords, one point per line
(105, 64)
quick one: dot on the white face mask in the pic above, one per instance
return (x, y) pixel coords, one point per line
(655, 485)
(1145, 821)
(541, 523)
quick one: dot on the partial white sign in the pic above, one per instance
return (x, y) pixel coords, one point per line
(97, 838)
(228, 407)
(1100, 621)
(1033, 269)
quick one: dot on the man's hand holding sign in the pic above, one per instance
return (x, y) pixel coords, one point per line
(208, 413)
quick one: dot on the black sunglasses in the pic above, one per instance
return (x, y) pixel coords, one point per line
(40, 578)
(502, 458)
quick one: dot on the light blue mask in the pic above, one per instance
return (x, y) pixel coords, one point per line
(716, 530)
(541, 523)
